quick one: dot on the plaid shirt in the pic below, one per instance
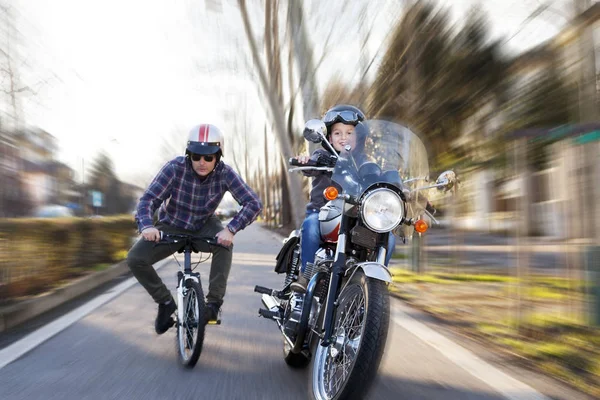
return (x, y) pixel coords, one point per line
(187, 202)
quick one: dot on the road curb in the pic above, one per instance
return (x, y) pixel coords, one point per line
(20, 312)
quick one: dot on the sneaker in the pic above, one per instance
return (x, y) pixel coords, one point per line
(212, 312)
(163, 320)
(300, 285)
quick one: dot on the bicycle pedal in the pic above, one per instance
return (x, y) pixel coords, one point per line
(214, 322)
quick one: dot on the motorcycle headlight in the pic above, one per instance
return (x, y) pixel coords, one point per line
(382, 210)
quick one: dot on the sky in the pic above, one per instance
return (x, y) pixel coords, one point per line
(126, 75)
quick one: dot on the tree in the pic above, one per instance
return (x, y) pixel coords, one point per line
(15, 201)
(104, 180)
(543, 103)
(272, 89)
(433, 78)
(9, 38)
(337, 92)
(21, 75)
(102, 172)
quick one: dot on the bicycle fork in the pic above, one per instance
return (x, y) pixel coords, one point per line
(182, 277)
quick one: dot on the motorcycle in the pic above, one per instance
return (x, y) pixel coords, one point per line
(339, 325)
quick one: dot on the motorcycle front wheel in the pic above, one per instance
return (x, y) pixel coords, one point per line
(346, 368)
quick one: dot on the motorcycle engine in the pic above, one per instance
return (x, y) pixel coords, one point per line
(293, 310)
(293, 314)
(323, 257)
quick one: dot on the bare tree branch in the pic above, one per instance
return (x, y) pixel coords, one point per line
(297, 200)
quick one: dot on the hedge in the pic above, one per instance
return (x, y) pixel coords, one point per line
(36, 254)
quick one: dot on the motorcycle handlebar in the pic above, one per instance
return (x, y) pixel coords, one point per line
(310, 163)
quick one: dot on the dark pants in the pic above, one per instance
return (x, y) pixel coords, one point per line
(143, 254)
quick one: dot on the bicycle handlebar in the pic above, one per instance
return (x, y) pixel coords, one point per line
(178, 238)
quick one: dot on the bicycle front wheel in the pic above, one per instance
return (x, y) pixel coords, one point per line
(190, 330)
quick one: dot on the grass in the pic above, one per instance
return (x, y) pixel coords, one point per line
(400, 256)
(571, 354)
(417, 278)
(546, 293)
(493, 330)
(100, 267)
(554, 322)
(404, 276)
(121, 255)
(476, 277)
(560, 283)
(551, 336)
(540, 287)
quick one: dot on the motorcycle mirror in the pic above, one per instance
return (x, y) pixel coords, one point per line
(315, 131)
(446, 180)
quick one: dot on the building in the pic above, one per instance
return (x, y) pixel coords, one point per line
(12, 201)
(561, 196)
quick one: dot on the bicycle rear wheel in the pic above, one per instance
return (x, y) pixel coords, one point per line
(190, 330)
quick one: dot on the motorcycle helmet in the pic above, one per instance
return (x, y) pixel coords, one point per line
(205, 139)
(346, 114)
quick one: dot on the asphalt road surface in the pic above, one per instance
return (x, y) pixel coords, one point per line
(110, 351)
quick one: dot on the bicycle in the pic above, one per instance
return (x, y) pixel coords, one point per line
(191, 305)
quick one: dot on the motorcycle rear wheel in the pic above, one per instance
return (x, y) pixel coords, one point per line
(346, 368)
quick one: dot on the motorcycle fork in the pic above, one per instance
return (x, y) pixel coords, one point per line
(337, 272)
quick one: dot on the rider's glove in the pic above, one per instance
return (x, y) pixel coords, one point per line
(327, 160)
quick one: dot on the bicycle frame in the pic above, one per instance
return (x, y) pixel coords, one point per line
(185, 271)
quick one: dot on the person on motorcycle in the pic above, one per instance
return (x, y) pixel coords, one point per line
(344, 127)
(188, 190)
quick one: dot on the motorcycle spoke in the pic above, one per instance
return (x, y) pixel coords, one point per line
(349, 324)
(352, 344)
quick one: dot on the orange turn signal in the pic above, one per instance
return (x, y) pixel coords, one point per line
(421, 226)
(331, 193)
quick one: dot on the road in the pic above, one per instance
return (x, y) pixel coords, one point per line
(112, 352)
(497, 253)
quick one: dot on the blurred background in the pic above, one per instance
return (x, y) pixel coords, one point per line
(94, 101)
(96, 97)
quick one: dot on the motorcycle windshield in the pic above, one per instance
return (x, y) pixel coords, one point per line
(384, 152)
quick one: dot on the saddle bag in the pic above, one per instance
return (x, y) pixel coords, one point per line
(285, 257)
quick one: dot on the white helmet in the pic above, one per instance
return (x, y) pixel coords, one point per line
(205, 139)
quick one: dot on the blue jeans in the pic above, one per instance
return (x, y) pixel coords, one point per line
(311, 239)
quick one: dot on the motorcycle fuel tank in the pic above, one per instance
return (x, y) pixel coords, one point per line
(330, 218)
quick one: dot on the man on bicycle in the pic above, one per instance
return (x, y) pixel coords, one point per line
(187, 191)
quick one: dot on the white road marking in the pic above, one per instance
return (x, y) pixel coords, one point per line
(504, 384)
(34, 339)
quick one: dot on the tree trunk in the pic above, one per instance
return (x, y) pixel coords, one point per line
(296, 194)
(304, 60)
(286, 215)
(267, 190)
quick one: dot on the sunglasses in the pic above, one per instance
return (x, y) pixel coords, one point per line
(349, 117)
(198, 157)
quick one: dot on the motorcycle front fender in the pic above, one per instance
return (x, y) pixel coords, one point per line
(373, 270)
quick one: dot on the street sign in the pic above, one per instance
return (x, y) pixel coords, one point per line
(96, 198)
(588, 137)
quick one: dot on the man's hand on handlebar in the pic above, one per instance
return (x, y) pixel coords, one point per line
(151, 234)
(225, 237)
